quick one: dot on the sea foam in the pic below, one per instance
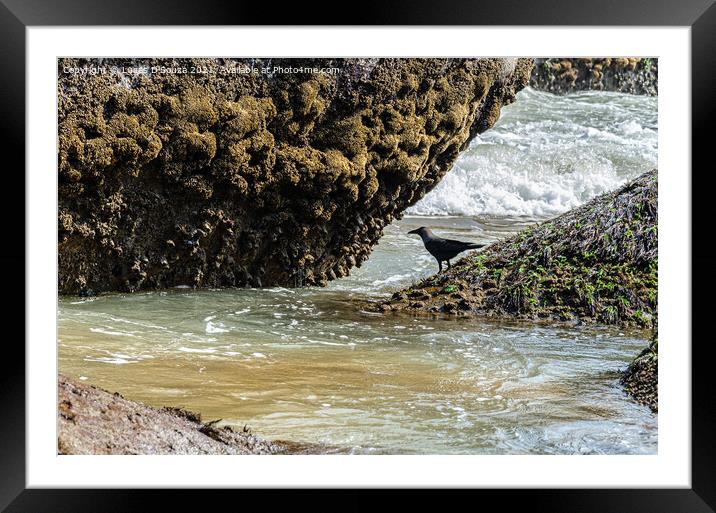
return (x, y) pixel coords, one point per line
(548, 154)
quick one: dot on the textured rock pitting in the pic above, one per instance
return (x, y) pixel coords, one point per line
(225, 179)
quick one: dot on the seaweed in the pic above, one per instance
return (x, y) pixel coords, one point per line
(596, 263)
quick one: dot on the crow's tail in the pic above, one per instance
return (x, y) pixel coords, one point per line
(474, 246)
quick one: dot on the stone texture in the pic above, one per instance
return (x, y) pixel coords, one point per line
(258, 179)
(623, 75)
(94, 421)
(641, 378)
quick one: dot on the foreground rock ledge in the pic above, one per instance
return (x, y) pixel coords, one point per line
(597, 263)
(94, 421)
(254, 179)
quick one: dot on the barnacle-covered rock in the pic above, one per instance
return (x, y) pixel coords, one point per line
(236, 172)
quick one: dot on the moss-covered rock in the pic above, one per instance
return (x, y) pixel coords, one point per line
(596, 263)
(624, 75)
(228, 178)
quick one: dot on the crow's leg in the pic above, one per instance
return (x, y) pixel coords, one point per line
(440, 266)
(448, 264)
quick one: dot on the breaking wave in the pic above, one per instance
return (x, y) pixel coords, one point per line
(548, 154)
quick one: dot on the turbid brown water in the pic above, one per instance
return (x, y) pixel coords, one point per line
(306, 365)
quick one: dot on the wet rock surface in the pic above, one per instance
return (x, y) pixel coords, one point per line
(597, 263)
(228, 178)
(623, 75)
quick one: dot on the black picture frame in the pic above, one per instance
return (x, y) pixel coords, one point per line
(700, 15)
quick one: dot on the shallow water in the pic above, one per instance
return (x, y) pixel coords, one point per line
(307, 365)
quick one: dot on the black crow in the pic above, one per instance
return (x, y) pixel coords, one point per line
(443, 249)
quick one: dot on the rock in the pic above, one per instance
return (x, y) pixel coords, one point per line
(94, 421)
(601, 267)
(641, 378)
(633, 76)
(464, 305)
(256, 169)
(448, 307)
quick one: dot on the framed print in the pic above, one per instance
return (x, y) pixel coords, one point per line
(375, 256)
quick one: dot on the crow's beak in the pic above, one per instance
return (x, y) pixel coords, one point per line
(412, 231)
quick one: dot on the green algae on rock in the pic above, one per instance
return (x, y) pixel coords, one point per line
(596, 263)
(254, 179)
